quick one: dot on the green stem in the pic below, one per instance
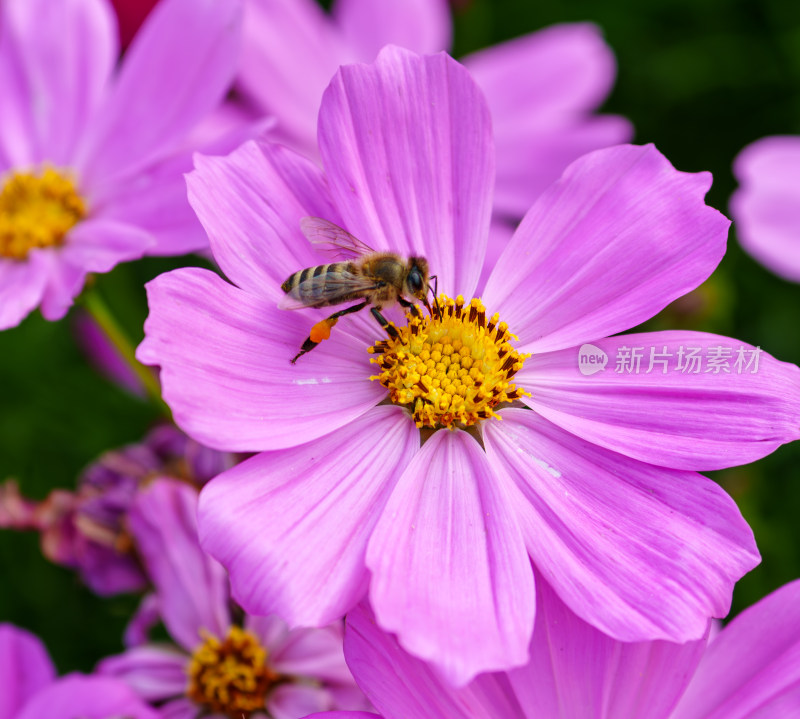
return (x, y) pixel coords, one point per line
(99, 311)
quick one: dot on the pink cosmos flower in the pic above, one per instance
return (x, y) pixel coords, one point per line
(91, 157)
(591, 478)
(221, 663)
(750, 670)
(29, 688)
(542, 88)
(766, 206)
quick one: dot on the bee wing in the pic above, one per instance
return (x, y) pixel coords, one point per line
(331, 238)
(327, 289)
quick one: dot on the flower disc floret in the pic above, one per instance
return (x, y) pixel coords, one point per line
(230, 676)
(451, 368)
(37, 210)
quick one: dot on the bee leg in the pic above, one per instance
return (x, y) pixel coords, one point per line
(409, 306)
(322, 330)
(383, 322)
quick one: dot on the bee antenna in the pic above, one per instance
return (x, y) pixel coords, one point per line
(435, 291)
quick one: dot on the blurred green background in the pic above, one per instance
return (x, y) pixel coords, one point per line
(699, 78)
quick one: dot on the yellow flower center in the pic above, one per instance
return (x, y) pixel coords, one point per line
(37, 210)
(230, 676)
(451, 368)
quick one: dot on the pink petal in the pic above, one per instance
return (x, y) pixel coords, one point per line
(704, 419)
(637, 551)
(22, 286)
(68, 50)
(251, 203)
(401, 686)
(577, 672)
(156, 200)
(88, 697)
(450, 573)
(767, 205)
(98, 244)
(314, 653)
(153, 672)
(342, 715)
(177, 69)
(407, 148)
(95, 245)
(19, 145)
(423, 26)
(290, 51)
(146, 616)
(25, 668)
(296, 701)
(541, 89)
(292, 526)
(192, 588)
(179, 709)
(225, 370)
(530, 159)
(752, 669)
(616, 239)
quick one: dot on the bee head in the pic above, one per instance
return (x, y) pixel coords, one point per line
(416, 283)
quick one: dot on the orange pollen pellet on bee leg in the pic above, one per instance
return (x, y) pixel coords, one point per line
(322, 330)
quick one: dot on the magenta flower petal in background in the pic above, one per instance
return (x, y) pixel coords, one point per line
(192, 590)
(99, 135)
(542, 89)
(320, 518)
(29, 688)
(292, 49)
(88, 697)
(751, 669)
(25, 668)
(766, 207)
(88, 530)
(219, 665)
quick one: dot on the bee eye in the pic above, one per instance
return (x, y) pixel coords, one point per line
(415, 281)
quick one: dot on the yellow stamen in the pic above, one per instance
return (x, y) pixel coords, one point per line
(451, 368)
(230, 676)
(37, 210)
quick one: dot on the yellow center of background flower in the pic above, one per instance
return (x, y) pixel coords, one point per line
(37, 210)
(451, 368)
(230, 676)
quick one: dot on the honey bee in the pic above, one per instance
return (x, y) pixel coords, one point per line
(376, 278)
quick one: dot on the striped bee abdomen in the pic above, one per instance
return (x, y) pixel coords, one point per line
(322, 285)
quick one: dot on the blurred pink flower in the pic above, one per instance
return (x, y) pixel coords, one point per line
(542, 88)
(87, 530)
(91, 156)
(766, 207)
(590, 478)
(29, 688)
(221, 662)
(575, 672)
